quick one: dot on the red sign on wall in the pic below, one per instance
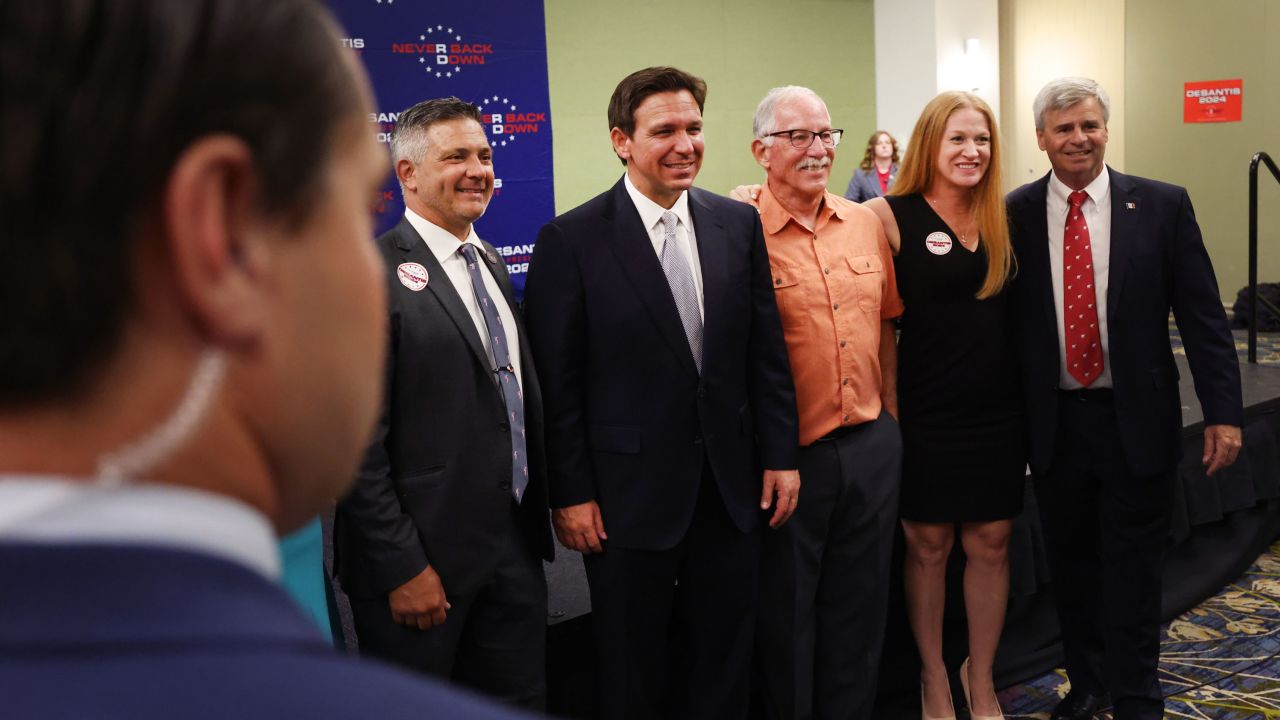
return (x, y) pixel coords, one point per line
(1213, 101)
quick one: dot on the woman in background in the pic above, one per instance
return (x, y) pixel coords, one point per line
(960, 410)
(878, 169)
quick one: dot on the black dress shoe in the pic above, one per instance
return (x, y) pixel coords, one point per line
(1079, 705)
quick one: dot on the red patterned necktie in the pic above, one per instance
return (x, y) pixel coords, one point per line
(1079, 306)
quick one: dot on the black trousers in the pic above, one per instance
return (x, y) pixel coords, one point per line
(825, 578)
(1106, 531)
(673, 628)
(494, 639)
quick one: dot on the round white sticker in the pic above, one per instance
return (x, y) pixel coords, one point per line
(412, 276)
(939, 243)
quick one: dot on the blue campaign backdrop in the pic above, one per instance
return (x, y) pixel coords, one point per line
(493, 54)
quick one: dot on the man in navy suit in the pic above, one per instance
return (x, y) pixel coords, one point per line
(190, 352)
(1102, 259)
(670, 410)
(441, 541)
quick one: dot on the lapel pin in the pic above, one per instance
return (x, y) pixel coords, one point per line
(1130, 206)
(412, 275)
(490, 256)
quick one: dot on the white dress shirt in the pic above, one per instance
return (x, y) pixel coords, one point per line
(47, 509)
(1097, 215)
(651, 215)
(444, 246)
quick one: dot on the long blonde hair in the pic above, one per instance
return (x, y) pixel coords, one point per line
(920, 166)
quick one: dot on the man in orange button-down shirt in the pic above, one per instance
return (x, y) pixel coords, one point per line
(826, 573)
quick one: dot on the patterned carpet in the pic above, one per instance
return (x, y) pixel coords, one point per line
(1268, 345)
(1218, 661)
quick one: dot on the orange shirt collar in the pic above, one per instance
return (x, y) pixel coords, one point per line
(774, 217)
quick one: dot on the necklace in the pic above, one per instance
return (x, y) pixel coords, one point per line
(964, 232)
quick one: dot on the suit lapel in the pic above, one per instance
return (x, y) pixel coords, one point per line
(1125, 226)
(493, 262)
(634, 251)
(1034, 256)
(712, 248)
(416, 250)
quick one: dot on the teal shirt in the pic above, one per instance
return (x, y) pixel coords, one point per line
(302, 560)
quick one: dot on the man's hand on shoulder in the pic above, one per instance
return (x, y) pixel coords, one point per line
(580, 527)
(784, 486)
(1221, 447)
(749, 194)
(421, 602)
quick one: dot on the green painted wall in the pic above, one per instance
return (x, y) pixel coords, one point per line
(1169, 42)
(740, 47)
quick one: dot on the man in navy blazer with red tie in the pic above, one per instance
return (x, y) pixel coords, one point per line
(1102, 259)
(670, 411)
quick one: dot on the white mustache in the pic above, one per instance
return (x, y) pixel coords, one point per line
(813, 164)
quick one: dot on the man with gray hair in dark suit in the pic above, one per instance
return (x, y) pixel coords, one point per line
(440, 544)
(1103, 258)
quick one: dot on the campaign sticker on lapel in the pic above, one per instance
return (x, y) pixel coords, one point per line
(939, 243)
(412, 275)
(491, 256)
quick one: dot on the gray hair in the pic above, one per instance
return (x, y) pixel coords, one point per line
(1067, 91)
(409, 139)
(765, 120)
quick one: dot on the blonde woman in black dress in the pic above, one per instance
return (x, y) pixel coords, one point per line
(961, 414)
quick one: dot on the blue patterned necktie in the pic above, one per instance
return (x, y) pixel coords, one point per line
(680, 278)
(507, 380)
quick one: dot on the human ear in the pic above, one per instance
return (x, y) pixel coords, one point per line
(621, 144)
(213, 230)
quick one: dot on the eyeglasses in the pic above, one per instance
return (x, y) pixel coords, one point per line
(802, 139)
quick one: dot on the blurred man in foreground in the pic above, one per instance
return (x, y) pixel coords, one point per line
(190, 349)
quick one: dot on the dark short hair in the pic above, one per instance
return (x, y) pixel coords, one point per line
(408, 141)
(100, 99)
(640, 84)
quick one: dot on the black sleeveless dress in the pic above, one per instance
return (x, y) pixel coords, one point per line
(963, 432)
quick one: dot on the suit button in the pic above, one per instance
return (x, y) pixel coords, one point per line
(702, 393)
(697, 440)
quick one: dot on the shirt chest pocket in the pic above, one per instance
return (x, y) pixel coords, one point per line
(868, 280)
(788, 292)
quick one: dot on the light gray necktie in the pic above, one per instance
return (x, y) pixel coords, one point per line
(680, 278)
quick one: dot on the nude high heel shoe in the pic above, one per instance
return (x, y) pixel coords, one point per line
(964, 685)
(926, 716)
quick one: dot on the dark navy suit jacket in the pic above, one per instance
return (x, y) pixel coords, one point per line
(435, 486)
(630, 423)
(137, 632)
(1158, 263)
